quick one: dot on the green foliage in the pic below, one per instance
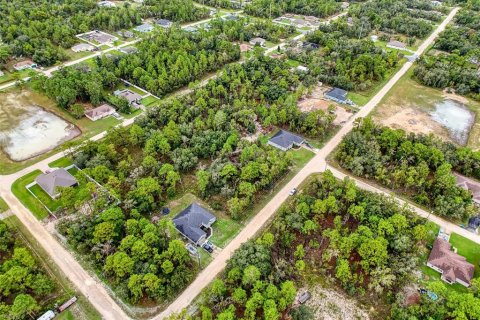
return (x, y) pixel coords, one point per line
(415, 165)
(23, 284)
(275, 8)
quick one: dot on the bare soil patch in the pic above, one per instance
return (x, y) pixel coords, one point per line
(329, 304)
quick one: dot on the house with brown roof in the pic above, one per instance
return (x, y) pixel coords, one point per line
(453, 267)
(26, 64)
(469, 184)
(100, 112)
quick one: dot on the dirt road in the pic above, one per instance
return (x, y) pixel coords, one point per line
(317, 164)
(99, 297)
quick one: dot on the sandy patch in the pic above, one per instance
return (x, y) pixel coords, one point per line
(310, 104)
(412, 120)
(332, 305)
(454, 96)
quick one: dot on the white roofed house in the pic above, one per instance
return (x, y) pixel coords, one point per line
(258, 41)
(83, 47)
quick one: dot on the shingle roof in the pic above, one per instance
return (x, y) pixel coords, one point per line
(397, 44)
(189, 221)
(57, 178)
(286, 139)
(100, 110)
(337, 93)
(469, 184)
(164, 22)
(128, 50)
(453, 265)
(146, 27)
(129, 95)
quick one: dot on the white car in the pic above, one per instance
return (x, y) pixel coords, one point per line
(293, 192)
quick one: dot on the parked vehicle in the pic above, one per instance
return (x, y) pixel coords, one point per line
(293, 192)
(208, 246)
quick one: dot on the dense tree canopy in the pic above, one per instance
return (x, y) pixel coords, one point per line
(419, 166)
(275, 8)
(43, 28)
(23, 283)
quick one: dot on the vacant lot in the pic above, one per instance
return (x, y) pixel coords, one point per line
(409, 106)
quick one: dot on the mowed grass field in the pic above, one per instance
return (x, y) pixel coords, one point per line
(408, 104)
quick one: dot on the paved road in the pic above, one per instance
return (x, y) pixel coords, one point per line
(317, 164)
(98, 295)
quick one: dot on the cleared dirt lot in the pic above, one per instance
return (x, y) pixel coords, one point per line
(409, 105)
(316, 101)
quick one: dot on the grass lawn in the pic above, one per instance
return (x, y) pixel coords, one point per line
(123, 86)
(149, 101)
(468, 249)
(3, 206)
(82, 309)
(20, 191)
(51, 204)
(60, 163)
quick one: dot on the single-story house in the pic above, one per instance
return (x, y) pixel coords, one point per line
(164, 23)
(394, 44)
(474, 224)
(245, 47)
(453, 267)
(23, 65)
(338, 95)
(128, 50)
(98, 36)
(190, 29)
(469, 184)
(126, 34)
(83, 47)
(107, 4)
(146, 27)
(58, 178)
(133, 98)
(230, 17)
(285, 140)
(260, 41)
(100, 112)
(195, 223)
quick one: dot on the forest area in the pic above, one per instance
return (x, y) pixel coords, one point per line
(457, 63)
(44, 29)
(365, 243)
(193, 143)
(24, 285)
(418, 166)
(276, 8)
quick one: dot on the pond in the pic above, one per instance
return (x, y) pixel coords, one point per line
(28, 130)
(456, 117)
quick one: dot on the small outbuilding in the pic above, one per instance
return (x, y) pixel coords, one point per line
(51, 181)
(100, 112)
(195, 223)
(304, 297)
(285, 140)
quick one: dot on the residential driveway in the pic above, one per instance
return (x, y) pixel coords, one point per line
(100, 298)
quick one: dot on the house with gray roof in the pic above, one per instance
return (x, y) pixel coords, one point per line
(394, 44)
(133, 98)
(285, 140)
(164, 23)
(82, 47)
(260, 41)
(146, 27)
(51, 181)
(195, 223)
(128, 50)
(338, 95)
